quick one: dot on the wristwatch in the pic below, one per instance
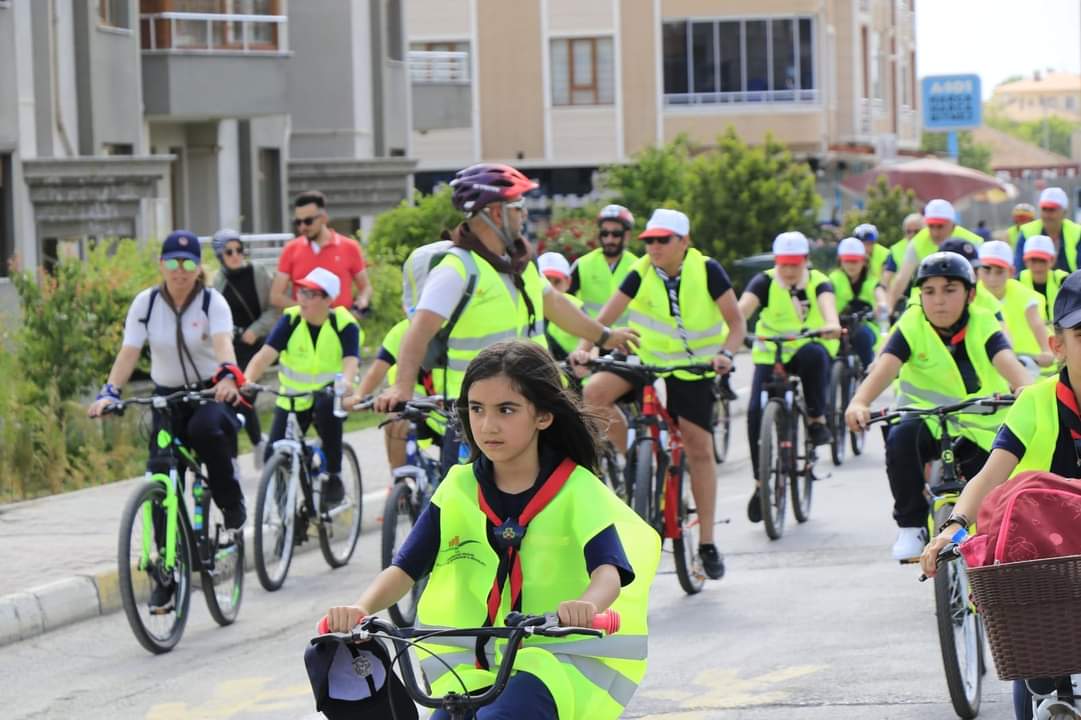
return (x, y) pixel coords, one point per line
(605, 334)
(727, 353)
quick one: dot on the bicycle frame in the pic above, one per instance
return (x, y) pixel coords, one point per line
(655, 416)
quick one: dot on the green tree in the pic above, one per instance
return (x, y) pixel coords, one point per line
(397, 232)
(656, 177)
(739, 197)
(1052, 133)
(886, 208)
(970, 153)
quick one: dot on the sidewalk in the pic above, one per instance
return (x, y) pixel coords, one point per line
(58, 553)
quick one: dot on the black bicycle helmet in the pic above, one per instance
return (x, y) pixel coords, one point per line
(947, 265)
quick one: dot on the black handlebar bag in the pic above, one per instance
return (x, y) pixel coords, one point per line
(357, 682)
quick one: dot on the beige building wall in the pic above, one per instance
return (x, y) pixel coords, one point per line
(438, 19)
(509, 81)
(638, 46)
(438, 149)
(584, 135)
(577, 17)
(802, 131)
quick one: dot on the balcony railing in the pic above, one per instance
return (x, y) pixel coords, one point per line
(188, 32)
(740, 98)
(429, 67)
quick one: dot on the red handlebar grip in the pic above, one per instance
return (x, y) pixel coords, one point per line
(607, 621)
(323, 627)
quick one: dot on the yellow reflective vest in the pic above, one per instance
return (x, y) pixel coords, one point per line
(597, 282)
(779, 317)
(589, 678)
(1071, 236)
(1014, 303)
(1055, 277)
(303, 366)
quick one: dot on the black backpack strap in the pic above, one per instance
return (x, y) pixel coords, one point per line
(206, 302)
(471, 275)
(150, 305)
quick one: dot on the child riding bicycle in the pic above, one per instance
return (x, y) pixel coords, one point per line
(527, 526)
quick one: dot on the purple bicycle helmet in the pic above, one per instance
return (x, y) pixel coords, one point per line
(485, 183)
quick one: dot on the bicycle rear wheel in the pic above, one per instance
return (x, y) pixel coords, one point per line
(689, 570)
(722, 428)
(801, 470)
(773, 471)
(960, 634)
(610, 473)
(642, 492)
(836, 412)
(141, 567)
(223, 585)
(857, 439)
(340, 526)
(275, 523)
(399, 516)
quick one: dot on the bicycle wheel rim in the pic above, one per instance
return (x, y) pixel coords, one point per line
(399, 516)
(340, 526)
(642, 493)
(773, 485)
(275, 523)
(836, 413)
(139, 563)
(223, 585)
(689, 570)
(857, 438)
(960, 638)
(800, 471)
(722, 421)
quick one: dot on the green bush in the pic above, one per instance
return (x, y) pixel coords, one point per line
(656, 177)
(886, 208)
(397, 232)
(385, 275)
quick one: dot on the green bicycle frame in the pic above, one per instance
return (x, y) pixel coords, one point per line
(171, 504)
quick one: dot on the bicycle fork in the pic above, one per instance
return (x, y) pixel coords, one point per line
(171, 509)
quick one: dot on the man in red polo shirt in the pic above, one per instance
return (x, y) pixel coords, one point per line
(317, 245)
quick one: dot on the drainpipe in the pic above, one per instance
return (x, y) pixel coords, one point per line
(57, 110)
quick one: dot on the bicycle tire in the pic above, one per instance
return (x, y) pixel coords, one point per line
(964, 676)
(773, 473)
(399, 506)
(689, 570)
(859, 438)
(801, 470)
(610, 473)
(835, 414)
(275, 472)
(722, 428)
(132, 596)
(337, 554)
(642, 492)
(225, 606)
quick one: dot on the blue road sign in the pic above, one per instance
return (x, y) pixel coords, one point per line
(951, 102)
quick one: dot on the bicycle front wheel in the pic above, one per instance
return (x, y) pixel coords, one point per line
(722, 428)
(399, 516)
(145, 577)
(773, 460)
(856, 438)
(275, 523)
(689, 570)
(836, 412)
(223, 583)
(801, 470)
(610, 473)
(642, 492)
(339, 529)
(960, 634)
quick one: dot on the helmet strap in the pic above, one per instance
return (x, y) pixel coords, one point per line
(500, 230)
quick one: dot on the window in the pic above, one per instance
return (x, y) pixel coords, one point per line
(582, 71)
(114, 13)
(439, 62)
(735, 61)
(251, 33)
(865, 61)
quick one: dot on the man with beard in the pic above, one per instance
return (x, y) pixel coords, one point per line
(597, 275)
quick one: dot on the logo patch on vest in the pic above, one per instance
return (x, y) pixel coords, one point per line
(456, 547)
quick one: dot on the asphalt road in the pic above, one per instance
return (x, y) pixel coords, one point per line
(820, 624)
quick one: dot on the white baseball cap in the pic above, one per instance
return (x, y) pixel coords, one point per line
(851, 249)
(939, 210)
(667, 222)
(1054, 197)
(790, 248)
(996, 252)
(1040, 247)
(321, 279)
(552, 263)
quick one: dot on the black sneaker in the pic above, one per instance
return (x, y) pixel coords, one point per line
(712, 561)
(161, 597)
(235, 516)
(820, 434)
(754, 508)
(333, 489)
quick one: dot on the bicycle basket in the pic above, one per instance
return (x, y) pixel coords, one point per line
(1032, 612)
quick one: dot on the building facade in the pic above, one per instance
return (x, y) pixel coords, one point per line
(564, 86)
(1038, 97)
(130, 118)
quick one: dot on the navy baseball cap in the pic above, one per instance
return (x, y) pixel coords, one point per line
(962, 247)
(181, 245)
(1068, 302)
(356, 681)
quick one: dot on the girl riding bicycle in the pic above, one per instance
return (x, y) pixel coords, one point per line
(526, 526)
(1039, 434)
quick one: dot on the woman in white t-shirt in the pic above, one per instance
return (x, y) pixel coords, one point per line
(189, 328)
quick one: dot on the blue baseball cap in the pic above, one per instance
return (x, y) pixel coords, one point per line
(356, 681)
(1068, 302)
(181, 245)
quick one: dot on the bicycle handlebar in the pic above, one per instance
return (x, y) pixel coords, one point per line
(606, 363)
(518, 627)
(991, 403)
(255, 389)
(789, 337)
(159, 401)
(949, 553)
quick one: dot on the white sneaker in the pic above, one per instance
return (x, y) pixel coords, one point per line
(257, 451)
(909, 544)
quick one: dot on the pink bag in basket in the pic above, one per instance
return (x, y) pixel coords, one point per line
(1035, 515)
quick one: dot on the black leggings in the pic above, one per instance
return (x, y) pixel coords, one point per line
(812, 363)
(244, 354)
(328, 427)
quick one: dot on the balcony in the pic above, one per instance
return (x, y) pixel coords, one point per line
(750, 97)
(442, 94)
(208, 64)
(431, 68)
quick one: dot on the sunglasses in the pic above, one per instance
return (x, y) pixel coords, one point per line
(307, 222)
(311, 294)
(188, 265)
(517, 204)
(612, 233)
(233, 251)
(663, 240)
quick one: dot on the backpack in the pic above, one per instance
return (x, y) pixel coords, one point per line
(157, 291)
(415, 273)
(1033, 516)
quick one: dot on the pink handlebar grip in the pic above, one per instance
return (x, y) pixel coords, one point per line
(323, 627)
(607, 621)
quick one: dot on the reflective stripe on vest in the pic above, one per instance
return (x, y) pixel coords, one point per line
(597, 282)
(931, 378)
(588, 678)
(1071, 236)
(779, 317)
(650, 314)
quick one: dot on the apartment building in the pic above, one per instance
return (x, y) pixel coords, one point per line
(125, 118)
(564, 86)
(1043, 95)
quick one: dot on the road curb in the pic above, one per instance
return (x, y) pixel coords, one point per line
(42, 609)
